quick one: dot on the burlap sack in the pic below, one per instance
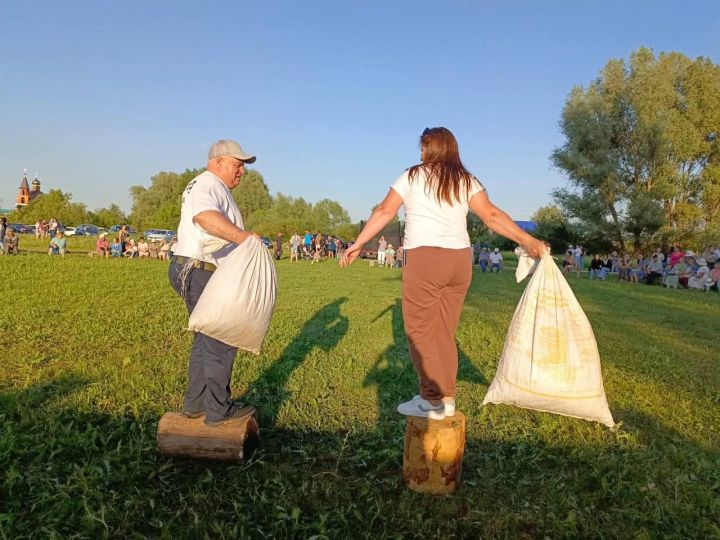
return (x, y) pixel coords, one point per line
(238, 302)
(550, 361)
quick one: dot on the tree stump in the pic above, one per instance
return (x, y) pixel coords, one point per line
(183, 437)
(432, 461)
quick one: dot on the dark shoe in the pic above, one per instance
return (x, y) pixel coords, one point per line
(237, 416)
(192, 414)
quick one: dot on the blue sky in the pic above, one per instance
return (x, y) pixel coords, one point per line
(100, 95)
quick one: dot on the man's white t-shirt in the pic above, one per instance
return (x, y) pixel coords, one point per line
(495, 258)
(578, 252)
(429, 222)
(205, 192)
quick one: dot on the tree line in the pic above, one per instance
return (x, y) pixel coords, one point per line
(642, 156)
(158, 206)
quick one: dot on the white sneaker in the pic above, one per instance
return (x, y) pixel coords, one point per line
(417, 406)
(450, 407)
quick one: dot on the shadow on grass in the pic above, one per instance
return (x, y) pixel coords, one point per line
(90, 474)
(394, 375)
(323, 330)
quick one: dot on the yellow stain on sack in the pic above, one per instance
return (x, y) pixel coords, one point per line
(553, 358)
(551, 298)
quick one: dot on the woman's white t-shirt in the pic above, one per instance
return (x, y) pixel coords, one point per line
(429, 222)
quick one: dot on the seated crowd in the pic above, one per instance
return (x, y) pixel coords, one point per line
(679, 268)
(155, 249)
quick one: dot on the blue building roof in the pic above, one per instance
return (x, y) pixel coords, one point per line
(527, 226)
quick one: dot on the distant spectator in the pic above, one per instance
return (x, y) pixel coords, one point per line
(58, 245)
(654, 269)
(164, 251)
(278, 246)
(484, 258)
(637, 269)
(308, 240)
(154, 249)
(382, 246)
(399, 257)
(143, 250)
(567, 263)
(607, 263)
(496, 260)
(692, 266)
(389, 256)
(477, 248)
(294, 247)
(102, 246)
(624, 268)
(10, 243)
(123, 235)
(116, 248)
(331, 247)
(675, 256)
(597, 268)
(338, 246)
(711, 283)
(614, 262)
(131, 249)
(660, 256)
(3, 230)
(38, 229)
(173, 246)
(578, 259)
(318, 248)
(52, 227)
(697, 280)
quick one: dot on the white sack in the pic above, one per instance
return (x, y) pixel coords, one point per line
(238, 301)
(550, 361)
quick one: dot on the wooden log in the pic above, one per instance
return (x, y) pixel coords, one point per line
(180, 436)
(432, 461)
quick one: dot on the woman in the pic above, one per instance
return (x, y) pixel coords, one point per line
(437, 263)
(102, 246)
(597, 268)
(319, 245)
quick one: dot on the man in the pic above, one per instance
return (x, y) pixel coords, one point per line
(578, 259)
(654, 269)
(3, 228)
(209, 211)
(58, 244)
(278, 246)
(10, 243)
(294, 243)
(307, 241)
(495, 260)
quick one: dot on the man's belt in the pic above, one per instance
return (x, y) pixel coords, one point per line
(210, 267)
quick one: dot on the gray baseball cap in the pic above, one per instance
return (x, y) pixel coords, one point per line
(226, 147)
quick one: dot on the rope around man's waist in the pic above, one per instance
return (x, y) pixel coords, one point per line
(210, 267)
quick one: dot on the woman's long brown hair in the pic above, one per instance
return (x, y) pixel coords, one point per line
(446, 175)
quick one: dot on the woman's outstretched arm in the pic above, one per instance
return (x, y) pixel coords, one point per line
(380, 217)
(500, 223)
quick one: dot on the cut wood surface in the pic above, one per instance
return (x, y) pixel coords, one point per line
(179, 436)
(432, 461)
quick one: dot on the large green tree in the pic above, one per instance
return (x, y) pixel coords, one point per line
(553, 227)
(159, 205)
(107, 217)
(54, 204)
(643, 136)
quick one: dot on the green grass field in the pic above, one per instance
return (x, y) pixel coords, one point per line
(94, 352)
